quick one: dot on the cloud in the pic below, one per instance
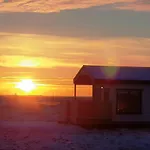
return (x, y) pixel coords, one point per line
(138, 5)
(46, 6)
(50, 51)
(36, 62)
(46, 55)
(82, 23)
(52, 60)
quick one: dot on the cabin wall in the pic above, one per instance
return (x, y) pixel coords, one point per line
(144, 117)
(99, 111)
(103, 107)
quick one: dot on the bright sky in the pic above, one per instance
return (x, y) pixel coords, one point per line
(48, 41)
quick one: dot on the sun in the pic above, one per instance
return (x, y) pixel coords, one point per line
(26, 85)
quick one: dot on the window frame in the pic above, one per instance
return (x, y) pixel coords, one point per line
(129, 113)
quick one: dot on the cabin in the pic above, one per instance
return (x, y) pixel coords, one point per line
(120, 95)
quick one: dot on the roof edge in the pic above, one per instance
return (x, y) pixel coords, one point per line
(116, 66)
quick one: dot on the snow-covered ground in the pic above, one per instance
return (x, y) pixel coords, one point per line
(23, 132)
(39, 135)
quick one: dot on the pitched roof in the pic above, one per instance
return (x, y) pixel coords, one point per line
(115, 73)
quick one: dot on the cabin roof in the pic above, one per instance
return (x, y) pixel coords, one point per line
(120, 73)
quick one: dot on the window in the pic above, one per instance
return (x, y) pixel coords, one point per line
(129, 101)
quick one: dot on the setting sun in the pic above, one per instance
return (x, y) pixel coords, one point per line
(26, 85)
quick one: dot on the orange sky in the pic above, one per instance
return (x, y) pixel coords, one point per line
(48, 41)
(52, 62)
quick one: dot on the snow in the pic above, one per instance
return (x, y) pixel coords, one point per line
(51, 135)
(40, 134)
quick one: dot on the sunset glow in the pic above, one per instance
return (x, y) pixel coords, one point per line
(26, 85)
(28, 63)
(44, 43)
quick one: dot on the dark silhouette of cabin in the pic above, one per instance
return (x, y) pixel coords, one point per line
(120, 95)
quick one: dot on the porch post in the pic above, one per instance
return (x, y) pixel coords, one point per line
(75, 92)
